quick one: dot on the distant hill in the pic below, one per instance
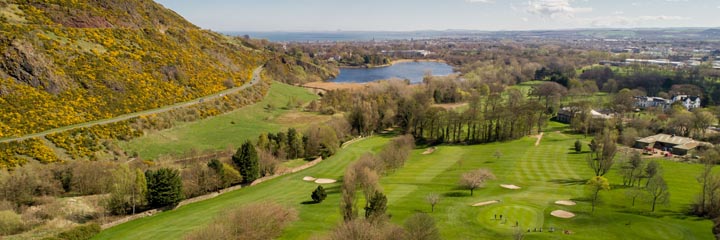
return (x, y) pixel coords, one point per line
(64, 61)
(711, 33)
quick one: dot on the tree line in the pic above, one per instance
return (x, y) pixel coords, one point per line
(492, 115)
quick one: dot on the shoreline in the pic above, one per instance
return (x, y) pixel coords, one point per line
(393, 62)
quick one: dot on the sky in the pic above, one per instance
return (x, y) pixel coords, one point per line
(413, 15)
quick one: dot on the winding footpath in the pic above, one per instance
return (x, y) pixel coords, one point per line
(255, 79)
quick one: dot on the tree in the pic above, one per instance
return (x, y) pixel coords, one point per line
(604, 149)
(295, 144)
(363, 230)
(421, 226)
(319, 194)
(164, 187)
(376, 207)
(634, 193)
(703, 120)
(624, 101)
(632, 169)
(475, 179)
(128, 191)
(658, 191)
(433, 199)
(246, 160)
(652, 169)
(497, 154)
(253, 221)
(595, 185)
(578, 146)
(140, 190)
(709, 160)
(120, 191)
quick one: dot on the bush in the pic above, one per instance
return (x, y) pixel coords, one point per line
(81, 232)
(319, 194)
(10, 222)
(253, 221)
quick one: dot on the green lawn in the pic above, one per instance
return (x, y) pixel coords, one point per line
(219, 132)
(546, 173)
(289, 190)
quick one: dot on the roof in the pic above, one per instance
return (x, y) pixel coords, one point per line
(596, 114)
(666, 138)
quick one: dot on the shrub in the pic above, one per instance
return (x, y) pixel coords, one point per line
(253, 221)
(83, 232)
(10, 222)
(319, 194)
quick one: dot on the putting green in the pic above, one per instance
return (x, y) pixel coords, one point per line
(525, 216)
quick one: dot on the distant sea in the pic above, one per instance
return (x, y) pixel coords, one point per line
(342, 36)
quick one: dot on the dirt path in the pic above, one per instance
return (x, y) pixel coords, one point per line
(255, 80)
(539, 137)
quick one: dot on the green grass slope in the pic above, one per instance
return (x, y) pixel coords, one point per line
(546, 173)
(289, 190)
(219, 132)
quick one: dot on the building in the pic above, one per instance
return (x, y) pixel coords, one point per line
(566, 114)
(658, 62)
(655, 102)
(675, 144)
(689, 102)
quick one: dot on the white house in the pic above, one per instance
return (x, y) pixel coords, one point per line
(689, 102)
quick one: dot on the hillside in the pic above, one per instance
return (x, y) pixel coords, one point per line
(64, 62)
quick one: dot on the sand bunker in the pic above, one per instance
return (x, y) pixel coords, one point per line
(509, 186)
(325, 181)
(429, 151)
(565, 202)
(309, 179)
(562, 214)
(485, 203)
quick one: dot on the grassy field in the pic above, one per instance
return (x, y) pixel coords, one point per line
(289, 190)
(219, 132)
(546, 173)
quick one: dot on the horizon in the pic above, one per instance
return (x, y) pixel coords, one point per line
(453, 15)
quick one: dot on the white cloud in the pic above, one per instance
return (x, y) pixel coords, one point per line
(480, 1)
(555, 8)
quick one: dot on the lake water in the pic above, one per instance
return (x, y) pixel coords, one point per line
(413, 71)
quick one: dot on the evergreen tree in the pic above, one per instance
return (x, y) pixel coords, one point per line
(578, 146)
(376, 207)
(319, 194)
(295, 144)
(246, 160)
(164, 187)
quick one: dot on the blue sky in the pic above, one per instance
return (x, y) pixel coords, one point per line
(408, 15)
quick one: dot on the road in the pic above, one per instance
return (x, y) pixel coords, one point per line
(255, 79)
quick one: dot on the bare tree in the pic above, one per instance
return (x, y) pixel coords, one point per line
(658, 190)
(253, 221)
(497, 154)
(421, 226)
(709, 159)
(604, 149)
(633, 194)
(433, 199)
(475, 179)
